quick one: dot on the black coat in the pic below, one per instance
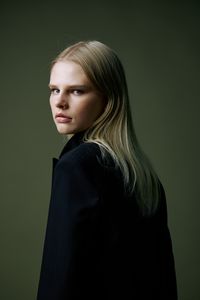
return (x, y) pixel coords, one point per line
(97, 246)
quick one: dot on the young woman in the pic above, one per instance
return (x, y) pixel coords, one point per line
(107, 234)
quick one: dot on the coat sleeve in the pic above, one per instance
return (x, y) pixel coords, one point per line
(71, 242)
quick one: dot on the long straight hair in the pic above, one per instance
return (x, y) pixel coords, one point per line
(113, 131)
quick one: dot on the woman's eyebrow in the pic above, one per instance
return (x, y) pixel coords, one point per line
(51, 85)
(77, 86)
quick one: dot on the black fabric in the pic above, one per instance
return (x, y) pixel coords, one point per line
(97, 245)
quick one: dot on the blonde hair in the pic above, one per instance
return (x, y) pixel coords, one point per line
(113, 131)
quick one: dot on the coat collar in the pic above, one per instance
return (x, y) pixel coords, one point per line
(73, 142)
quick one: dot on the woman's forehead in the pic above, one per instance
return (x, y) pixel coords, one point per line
(69, 73)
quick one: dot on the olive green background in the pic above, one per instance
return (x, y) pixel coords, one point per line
(158, 43)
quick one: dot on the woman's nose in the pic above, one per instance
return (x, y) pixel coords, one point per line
(62, 101)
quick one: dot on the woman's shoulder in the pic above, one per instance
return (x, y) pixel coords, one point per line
(82, 164)
(86, 156)
(82, 153)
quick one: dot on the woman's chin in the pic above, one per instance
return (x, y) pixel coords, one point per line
(64, 131)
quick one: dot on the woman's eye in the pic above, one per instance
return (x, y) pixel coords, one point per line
(77, 92)
(55, 91)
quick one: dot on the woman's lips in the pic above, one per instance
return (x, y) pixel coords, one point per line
(60, 118)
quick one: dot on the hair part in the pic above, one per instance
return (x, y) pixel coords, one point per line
(113, 131)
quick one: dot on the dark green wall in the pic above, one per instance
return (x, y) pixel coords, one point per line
(158, 42)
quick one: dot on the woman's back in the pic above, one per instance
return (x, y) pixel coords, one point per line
(101, 245)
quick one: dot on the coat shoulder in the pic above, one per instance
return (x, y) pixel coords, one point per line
(84, 159)
(85, 153)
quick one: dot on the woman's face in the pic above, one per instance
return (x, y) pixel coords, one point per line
(74, 101)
